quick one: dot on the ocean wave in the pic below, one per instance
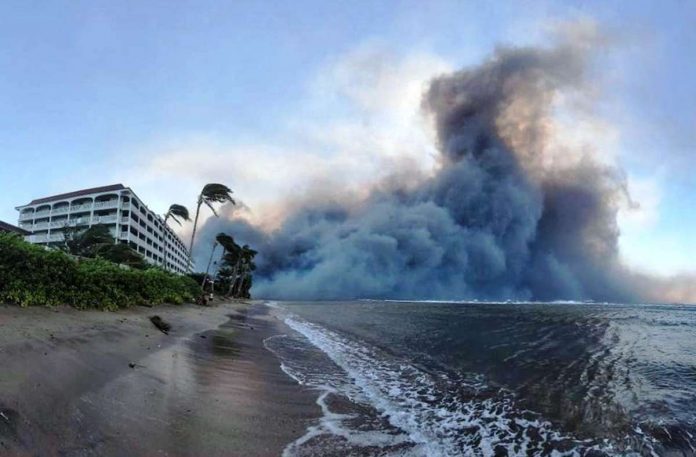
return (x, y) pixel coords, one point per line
(414, 412)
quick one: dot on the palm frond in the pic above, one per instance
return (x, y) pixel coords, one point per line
(210, 205)
(226, 241)
(178, 211)
(218, 193)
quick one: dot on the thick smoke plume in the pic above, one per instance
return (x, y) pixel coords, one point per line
(505, 216)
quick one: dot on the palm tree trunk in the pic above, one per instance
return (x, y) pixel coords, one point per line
(207, 269)
(242, 285)
(233, 280)
(195, 226)
(164, 238)
(238, 284)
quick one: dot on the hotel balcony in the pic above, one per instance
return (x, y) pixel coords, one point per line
(106, 204)
(104, 219)
(77, 208)
(46, 238)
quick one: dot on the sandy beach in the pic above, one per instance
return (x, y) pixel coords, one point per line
(87, 383)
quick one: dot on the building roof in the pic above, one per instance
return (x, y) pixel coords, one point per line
(5, 227)
(78, 193)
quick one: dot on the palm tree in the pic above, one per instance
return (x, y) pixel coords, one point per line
(227, 243)
(207, 269)
(175, 212)
(243, 268)
(233, 258)
(211, 193)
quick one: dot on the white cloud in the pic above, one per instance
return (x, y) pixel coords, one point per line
(360, 120)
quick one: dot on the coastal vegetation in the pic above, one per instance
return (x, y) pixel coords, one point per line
(233, 277)
(31, 275)
(98, 242)
(236, 267)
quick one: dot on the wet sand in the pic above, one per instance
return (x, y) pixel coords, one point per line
(209, 388)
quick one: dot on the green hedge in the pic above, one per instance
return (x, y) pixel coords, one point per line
(31, 275)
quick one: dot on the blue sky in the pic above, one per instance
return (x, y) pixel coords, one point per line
(268, 96)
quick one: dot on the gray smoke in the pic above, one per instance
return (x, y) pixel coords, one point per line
(501, 218)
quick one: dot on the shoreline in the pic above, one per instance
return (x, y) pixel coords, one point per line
(93, 383)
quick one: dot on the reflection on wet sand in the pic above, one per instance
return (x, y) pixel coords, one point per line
(216, 392)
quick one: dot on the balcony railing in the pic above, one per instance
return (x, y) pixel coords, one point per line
(61, 210)
(25, 216)
(104, 219)
(106, 204)
(46, 238)
(83, 207)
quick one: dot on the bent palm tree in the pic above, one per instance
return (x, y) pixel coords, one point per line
(207, 269)
(227, 243)
(175, 212)
(243, 268)
(211, 193)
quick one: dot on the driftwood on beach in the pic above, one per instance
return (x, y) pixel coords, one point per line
(162, 325)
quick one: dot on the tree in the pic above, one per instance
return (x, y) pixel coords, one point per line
(124, 255)
(87, 243)
(211, 193)
(223, 278)
(244, 266)
(97, 241)
(176, 212)
(227, 243)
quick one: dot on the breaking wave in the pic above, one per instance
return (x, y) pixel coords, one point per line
(375, 403)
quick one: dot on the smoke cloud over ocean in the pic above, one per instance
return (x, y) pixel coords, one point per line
(507, 214)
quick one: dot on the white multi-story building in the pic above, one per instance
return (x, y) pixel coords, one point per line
(115, 206)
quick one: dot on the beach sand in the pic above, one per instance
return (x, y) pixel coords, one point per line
(209, 388)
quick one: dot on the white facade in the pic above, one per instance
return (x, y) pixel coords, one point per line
(117, 207)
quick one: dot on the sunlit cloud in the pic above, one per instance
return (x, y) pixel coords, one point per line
(361, 121)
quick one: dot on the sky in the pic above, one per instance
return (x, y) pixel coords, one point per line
(278, 98)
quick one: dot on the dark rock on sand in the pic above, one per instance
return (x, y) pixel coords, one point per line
(163, 326)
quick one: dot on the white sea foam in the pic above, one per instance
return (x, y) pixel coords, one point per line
(489, 302)
(426, 409)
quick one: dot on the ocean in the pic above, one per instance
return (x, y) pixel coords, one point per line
(493, 379)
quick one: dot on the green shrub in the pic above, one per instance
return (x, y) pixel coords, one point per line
(31, 275)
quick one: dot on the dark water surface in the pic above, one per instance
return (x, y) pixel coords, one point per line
(438, 379)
